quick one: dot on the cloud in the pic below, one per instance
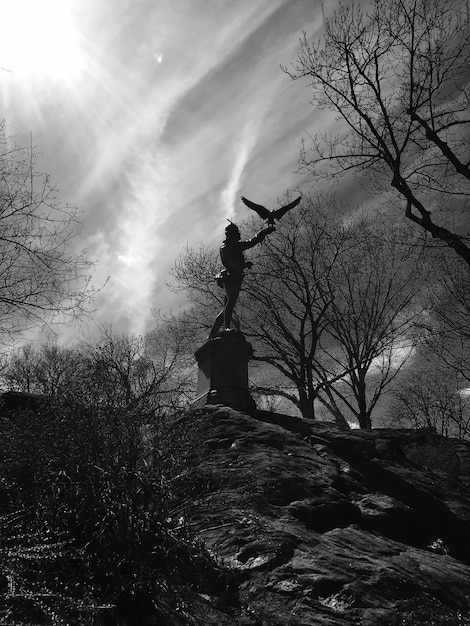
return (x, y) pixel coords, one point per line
(179, 109)
(230, 193)
(394, 356)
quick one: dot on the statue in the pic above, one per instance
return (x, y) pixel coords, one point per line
(223, 359)
(233, 259)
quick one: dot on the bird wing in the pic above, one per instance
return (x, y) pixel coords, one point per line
(283, 210)
(261, 210)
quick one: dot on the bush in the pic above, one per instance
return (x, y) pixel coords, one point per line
(86, 521)
(435, 454)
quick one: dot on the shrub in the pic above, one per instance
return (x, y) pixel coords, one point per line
(436, 454)
(86, 521)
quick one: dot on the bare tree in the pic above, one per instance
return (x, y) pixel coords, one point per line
(111, 370)
(286, 300)
(436, 390)
(446, 326)
(396, 76)
(51, 371)
(376, 301)
(19, 372)
(194, 273)
(56, 371)
(41, 274)
(431, 396)
(134, 372)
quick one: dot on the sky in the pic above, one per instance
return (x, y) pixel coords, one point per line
(155, 116)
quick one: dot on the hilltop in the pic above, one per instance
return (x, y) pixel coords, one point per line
(325, 527)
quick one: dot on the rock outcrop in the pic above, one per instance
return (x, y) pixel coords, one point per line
(324, 527)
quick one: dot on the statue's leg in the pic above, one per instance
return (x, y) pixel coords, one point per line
(233, 289)
(217, 324)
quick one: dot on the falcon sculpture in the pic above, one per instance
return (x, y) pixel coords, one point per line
(268, 215)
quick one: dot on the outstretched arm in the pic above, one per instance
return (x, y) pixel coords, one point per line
(258, 238)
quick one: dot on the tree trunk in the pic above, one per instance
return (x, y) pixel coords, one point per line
(306, 405)
(363, 416)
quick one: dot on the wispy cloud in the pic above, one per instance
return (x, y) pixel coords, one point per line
(178, 110)
(231, 191)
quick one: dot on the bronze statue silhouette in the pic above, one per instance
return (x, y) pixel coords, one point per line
(268, 215)
(231, 278)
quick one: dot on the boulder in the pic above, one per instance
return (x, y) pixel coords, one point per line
(320, 526)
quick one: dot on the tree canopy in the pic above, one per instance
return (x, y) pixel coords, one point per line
(396, 76)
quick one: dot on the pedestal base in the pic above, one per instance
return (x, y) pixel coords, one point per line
(223, 371)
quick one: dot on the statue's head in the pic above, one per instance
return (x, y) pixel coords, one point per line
(232, 232)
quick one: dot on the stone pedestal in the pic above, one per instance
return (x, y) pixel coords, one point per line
(223, 371)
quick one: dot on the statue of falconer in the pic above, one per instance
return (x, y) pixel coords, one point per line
(231, 278)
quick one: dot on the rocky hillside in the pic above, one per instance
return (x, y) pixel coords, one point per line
(319, 526)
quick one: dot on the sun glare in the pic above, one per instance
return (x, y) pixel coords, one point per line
(38, 38)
